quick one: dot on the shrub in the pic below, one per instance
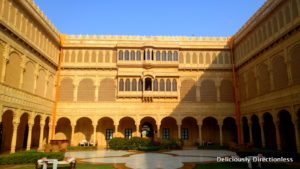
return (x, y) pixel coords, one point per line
(171, 144)
(213, 147)
(28, 157)
(81, 148)
(136, 142)
(149, 148)
(118, 143)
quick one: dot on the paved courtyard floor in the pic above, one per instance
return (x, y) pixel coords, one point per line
(153, 160)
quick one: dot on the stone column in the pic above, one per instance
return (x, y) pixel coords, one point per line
(42, 125)
(14, 138)
(5, 60)
(72, 135)
(221, 134)
(138, 133)
(218, 84)
(158, 131)
(96, 92)
(200, 134)
(198, 98)
(75, 93)
(179, 131)
(30, 125)
(36, 76)
(242, 134)
(262, 132)
(297, 135)
(250, 132)
(22, 72)
(116, 131)
(95, 134)
(49, 133)
(271, 74)
(277, 136)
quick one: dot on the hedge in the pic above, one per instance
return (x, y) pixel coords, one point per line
(28, 157)
(134, 143)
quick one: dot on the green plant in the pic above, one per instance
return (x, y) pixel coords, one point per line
(28, 157)
(81, 148)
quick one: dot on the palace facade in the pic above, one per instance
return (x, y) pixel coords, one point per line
(243, 89)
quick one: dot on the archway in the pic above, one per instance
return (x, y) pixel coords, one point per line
(169, 129)
(127, 127)
(189, 131)
(105, 130)
(83, 130)
(7, 131)
(229, 130)
(148, 84)
(148, 124)
(256, 134)
(287, 131)
(246, 134)
(210, 130)
(269, 131)
(36, 132)
(46, 131)
(63, 129)
(22, 133)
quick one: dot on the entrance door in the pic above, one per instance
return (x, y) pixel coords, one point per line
(147, 130)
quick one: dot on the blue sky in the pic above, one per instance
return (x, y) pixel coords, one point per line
(145, 17)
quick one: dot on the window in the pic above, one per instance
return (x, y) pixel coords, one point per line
(140, 87)
(126, 55)
(166, 134)
(133, 85)
(121, 85)
(138, 55)
(132, 55)
(174, 85)
(148, 55)
(148, 84)
(157, 55)
(128, 133)
(188, 58)
(162, 85)
(175, 56)
(120, 55)
(127, 85)
(169, 56)
(185, 133)
(155, 85)
(108, 134)
(168, 85)
(164, 58)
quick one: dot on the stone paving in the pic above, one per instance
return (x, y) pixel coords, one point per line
(153, 160)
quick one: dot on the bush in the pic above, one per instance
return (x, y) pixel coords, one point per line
(28, 157)
(128, 144)
(149, 148)
(213, 147)
(81, 148)
(171, 144)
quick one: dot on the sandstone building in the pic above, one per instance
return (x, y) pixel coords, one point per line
(244, 88)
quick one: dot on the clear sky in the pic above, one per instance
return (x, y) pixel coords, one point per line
(149, 17)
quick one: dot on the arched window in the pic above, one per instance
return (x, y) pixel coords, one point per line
(155, 85)
(169, 56)
(162, 85)
(188, 58)
(174, 85)
(157, 55)
(164, 57)
(121, 85)
(168, 85)
(138, 55)
(140, 87)
(148, 84)
(175, 56)
(126, 55)
(148, 55)
(133, 85)
(127, 85)
(132, 55)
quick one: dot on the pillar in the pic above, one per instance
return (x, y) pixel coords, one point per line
(116, 131)
(200, 134)
(14, 138)
(42, 125)
(30, 125)
(218, 84)
(5, 60)
(158, 131)
(22, 72)
(262, 134)
(72, 135)
(95, 134)
(96, 92)
(36, 76)
(138, 133)
(221, 134)
(242, 134)
(179, 131)
(278, 136)
(75, 92)
(50, 132)
(297, 135)
(250, 132)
